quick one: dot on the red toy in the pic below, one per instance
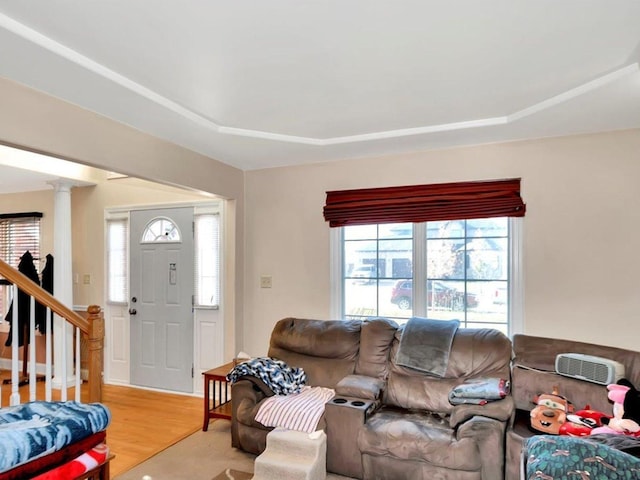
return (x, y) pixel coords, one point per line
(582, 422)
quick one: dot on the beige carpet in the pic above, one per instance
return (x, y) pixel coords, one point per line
(201, 456)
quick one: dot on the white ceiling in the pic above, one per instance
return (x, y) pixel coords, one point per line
(257, 84)
(18, 180)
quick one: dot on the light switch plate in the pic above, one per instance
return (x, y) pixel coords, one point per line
(265, 281)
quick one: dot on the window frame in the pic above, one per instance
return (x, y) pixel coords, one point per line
(12, 257)
(112, 220)
(516, 302)
(217, 245)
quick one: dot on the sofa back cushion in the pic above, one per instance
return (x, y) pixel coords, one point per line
(534, 371)
(376, 337)
(327, 350)
(475, 353)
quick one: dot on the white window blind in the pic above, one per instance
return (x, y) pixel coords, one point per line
(207, 260)
(118, 260)
(19, 232)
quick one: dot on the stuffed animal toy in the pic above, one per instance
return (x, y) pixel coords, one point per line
(626, 410)
(582, 422)
(550, 412)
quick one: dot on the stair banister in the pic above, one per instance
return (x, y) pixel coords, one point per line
(92, 326)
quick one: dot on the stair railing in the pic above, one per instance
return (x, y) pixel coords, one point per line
(91, 327)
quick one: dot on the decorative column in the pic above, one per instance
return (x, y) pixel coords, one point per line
(62, 285)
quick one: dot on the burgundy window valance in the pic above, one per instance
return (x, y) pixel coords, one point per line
(424, 203)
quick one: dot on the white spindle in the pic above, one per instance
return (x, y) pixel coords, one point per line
(78, 366)
(48, 355)
(31, 341)
(63, 367)
(15, 378)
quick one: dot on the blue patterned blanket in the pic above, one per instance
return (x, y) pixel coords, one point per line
(34, 429)
(279, 377)
(564, 457)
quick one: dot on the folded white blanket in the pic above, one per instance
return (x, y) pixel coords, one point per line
(297, 411)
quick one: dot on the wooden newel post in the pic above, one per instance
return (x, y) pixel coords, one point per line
(96, 352)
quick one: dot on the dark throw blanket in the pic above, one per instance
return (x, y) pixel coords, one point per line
(276, 374)
(425, 345)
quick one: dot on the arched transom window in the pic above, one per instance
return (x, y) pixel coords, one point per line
(161, 229)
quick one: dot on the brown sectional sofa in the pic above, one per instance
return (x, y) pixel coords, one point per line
(388, 421)
(392, 422)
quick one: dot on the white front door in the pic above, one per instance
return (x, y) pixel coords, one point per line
(160, 304)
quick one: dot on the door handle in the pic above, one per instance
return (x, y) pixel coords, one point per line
(132, 311)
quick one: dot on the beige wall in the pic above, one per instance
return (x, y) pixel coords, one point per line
(581, 231)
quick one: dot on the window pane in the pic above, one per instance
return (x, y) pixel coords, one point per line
(207, 260)
(117, 260)
(488, 227)
(446, 229)
(17, 236)
(487, 259)
(445, 259)
(375, 258)
(360, 232)
(467, 271)
(402, 297)
(161, 230)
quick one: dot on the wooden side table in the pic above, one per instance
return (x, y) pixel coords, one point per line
(220, 408)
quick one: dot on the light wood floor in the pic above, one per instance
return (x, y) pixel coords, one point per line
(143, 422)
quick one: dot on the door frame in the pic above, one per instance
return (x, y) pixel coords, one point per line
(211, 322)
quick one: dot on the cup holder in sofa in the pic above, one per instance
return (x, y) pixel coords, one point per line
(345, 401)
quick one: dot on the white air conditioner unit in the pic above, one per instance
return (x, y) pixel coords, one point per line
(587, 367)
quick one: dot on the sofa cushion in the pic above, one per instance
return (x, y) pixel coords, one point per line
(418, 436)
(376, 337)
(326, 349)
(360, 386)
(475, 353)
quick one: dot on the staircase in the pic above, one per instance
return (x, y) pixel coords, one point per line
(292, 455)
(91, 329)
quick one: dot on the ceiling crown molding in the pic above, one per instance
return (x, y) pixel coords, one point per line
(87, 63)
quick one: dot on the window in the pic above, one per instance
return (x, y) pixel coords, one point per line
(443, 270)
(443, 251)
(19, 232)
(117, 260)
(161, 230)
(207, 259)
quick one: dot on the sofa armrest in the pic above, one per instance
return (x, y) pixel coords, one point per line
(360, 386)
(501, 410)
(488, 434)
(257, 385)
(246, 395)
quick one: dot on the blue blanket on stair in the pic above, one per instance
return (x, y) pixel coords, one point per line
(35, 429)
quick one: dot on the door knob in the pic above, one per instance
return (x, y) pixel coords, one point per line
(132, 311)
